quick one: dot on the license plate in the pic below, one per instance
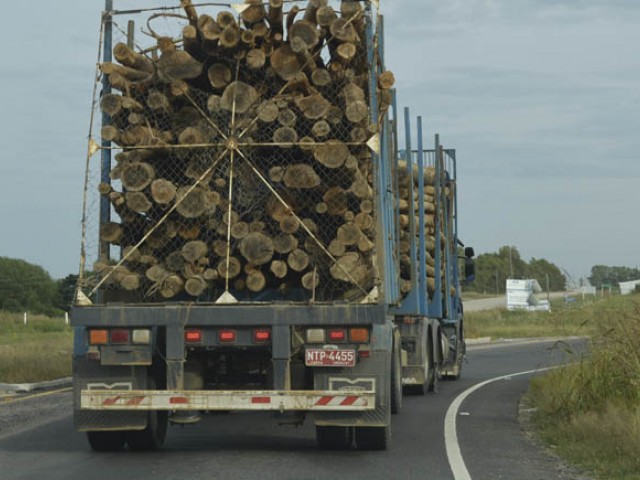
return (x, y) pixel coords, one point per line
(316, 357)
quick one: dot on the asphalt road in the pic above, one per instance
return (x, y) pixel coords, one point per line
(37, 439)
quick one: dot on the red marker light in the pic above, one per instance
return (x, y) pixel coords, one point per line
(193, 336)
(261, 335)
(227, 336)
(119, 336)
(337, 335)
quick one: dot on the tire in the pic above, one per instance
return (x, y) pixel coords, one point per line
(435, 371)
(372, 438)
(154, 435)
(334, 438)
(106, 441)
(396, 378)
(151, 438)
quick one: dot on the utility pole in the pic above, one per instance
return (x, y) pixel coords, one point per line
(497, 281)
(510, 264)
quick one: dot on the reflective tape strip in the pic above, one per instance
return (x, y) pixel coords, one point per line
(226, 400)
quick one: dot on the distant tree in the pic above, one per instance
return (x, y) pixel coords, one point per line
(606, 275)
(493, 269)
(66, 291)
(26, 287)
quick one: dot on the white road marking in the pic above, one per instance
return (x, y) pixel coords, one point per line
(454, 455)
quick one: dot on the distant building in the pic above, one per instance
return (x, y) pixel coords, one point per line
(628, 287)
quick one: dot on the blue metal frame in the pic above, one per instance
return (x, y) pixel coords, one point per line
(385, 204)
(105, 154)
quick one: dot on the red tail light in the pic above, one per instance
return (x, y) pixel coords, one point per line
(261, 336)
(227, 336)
(337, 335)
(119, 336)
(193, 336)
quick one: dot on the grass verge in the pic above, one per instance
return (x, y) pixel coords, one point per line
(590, 410)
(40, 350)
(580, 319)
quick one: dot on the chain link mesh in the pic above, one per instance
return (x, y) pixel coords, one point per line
(251, 176)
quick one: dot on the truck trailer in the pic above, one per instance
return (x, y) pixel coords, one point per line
(254, 237)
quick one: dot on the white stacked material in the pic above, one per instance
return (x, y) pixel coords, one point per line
(627, 288)
(588, 290)
(522, 295)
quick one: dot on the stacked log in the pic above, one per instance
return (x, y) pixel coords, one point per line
(409, 206)
(243, 160)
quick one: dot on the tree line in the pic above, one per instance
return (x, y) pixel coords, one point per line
(606, 276)
(28, 287)
(493, 269)
(25, 287)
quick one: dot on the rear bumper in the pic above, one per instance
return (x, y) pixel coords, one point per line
(271, 400)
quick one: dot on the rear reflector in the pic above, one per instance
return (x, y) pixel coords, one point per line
(119, 336)
(315, 335)
(98, 337)
(227, 336)
(193, 336)
(359, 335)
(261, 335)
(141, 337)
(337, 335)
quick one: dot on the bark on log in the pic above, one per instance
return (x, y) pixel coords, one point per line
(190, 10)
(137, 202)
(127, 57)
(191, 204)
(298, 260)
(235, 267)
(310, 280)
(285, 62)
(336, 200)
(178, 65)
(195, 286)
(257, 248)
(135, 177)
(256, 59)
(194, 250)
(240, 96)
(348, 234)
(111, 104)
(253, 14)
(331, 154)
(301, 176)
(275, 17)
(256, 281)
(220, 75)
(285, 243)
(279, 268)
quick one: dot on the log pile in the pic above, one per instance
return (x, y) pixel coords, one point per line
(409, 206)
(243, 161)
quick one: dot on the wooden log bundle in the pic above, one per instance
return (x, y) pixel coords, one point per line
(244, 161)
(409, 208)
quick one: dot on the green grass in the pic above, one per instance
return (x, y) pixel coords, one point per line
(575, 319)
(40, 350)
(590, 410)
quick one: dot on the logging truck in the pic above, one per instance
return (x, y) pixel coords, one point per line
(254, 238)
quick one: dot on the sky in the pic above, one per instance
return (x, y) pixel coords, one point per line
(540, 99)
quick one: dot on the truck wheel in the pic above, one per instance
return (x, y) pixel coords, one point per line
(334, 438)
(152, 437)
(372, 438)
(396, 378)
(106, 441)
